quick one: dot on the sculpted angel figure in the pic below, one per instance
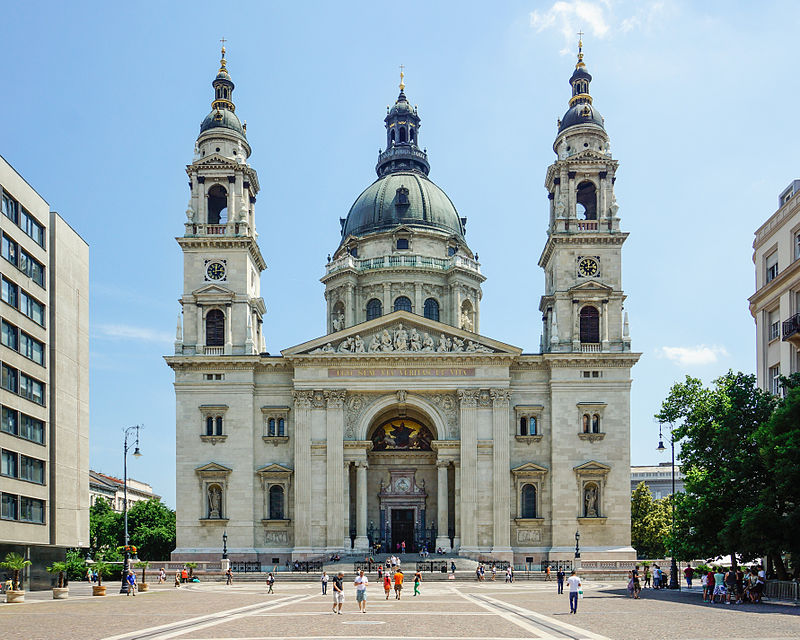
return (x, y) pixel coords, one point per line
(346, 346)
(458, 344)
(338, 322)
(414, 340)
(400, 339)
(427, 342)
(471, 346)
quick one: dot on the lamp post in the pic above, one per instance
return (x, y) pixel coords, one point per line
(674, 583)
(136, 454)
(225, 545)
(577, 549)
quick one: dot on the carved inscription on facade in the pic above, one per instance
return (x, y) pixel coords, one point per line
(401, 372)
(529, 535)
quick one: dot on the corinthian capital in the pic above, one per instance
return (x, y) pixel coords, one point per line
(468, 397)
(335, 398)
(302, 399)
(500, 396)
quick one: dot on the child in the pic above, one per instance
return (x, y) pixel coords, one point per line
(387, 584)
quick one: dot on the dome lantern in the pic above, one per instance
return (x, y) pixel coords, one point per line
(402, 138)
(222, 107)
(581, 110)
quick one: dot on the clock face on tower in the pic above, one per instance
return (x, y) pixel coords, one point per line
(588, 267)
(215, 271)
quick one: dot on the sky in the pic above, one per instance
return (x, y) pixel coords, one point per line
(104, 101)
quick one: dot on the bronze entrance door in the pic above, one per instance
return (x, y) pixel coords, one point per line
(403, 529)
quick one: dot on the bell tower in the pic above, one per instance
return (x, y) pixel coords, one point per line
(582, 308)
(222, 308)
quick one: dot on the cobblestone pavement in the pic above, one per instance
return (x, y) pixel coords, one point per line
(449, 611)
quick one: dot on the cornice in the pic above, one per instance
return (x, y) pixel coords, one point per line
(228, 242)
(383, 359)
(615, 238)
(624, 360)
(777, 285)
(227, 363)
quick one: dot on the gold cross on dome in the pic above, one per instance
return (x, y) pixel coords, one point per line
(402, 75)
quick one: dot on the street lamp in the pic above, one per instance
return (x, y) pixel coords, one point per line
(225, 545)
(577, 545)
(136, 454)
(674, 583)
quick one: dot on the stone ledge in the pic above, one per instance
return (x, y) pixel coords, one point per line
(213, 439)
(592, 437)
(521, 522)
(276, 440)
(595, 520)
(212, 521)
(529, 439)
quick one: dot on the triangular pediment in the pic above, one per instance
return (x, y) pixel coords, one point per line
(402, 333)
(274, 469)
(213, 467)
(212, 290)
(593, 466)
(530, 468)
(214, 160)
(592, 286)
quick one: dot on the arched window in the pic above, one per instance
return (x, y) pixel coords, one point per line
(532, 427)
(596, 423)
(215, 328)
(587, 201)
(523, 426)
(218, 421)
(217, 205)
(432, 309)
(411, 134)
(528, 501)
(374, 309)
(271, 427)
(586, 423)
(590, 324)
(281, 427)
(276, 503)
(209, 426)
(403, 134)
(391, 136)
(402, 304)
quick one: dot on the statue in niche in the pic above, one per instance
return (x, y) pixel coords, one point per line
(466, 320)
(414, 340)
(427, 342)
(400, 339)
(214, 501)
(590, 500)
(338, 321)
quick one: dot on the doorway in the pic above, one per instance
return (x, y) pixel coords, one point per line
(403, 529)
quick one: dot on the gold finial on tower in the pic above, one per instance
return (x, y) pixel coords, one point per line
(402, 75)
(222, 61)
(580, 51)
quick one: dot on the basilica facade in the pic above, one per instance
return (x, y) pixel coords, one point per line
(403, 423)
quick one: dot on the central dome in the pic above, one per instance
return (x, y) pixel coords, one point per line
(402, 198)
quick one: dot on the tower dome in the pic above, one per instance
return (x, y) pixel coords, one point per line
(581, 110)
(222, 108)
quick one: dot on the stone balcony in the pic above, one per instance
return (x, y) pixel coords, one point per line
(791, 330)
(403, 261)
(203, 230)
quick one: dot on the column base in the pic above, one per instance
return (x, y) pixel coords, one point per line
(456, 543)
(361, 543)
(503, 553)
(443, 542)
(347, 545)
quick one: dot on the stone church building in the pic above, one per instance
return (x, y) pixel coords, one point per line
(403, 423)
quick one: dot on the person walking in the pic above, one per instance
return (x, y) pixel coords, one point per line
(403, 548)
(270, 582)
(229, 576)
(574, 583)
(324, 582)
(647, 584)
(688, 573)
(387, 584)
(177, 578)
(494, 571)
(637, 586)
(380, 572)
(453, 567)
(417, 580)
(398, 584)
(560, 579)
(361, 583)
(547, 574)
(184, 575)
(131, 580)
(162, 575)
(338, 592)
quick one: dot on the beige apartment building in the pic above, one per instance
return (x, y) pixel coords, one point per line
(112, 490)
(775, 305)
(44, 389)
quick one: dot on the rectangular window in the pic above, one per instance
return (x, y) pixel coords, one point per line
(31, 510)
(796, 246)
(772, 266)
(9, 379)
(31, 388)
(9, 250)
(8, 463)
(10, 293)
(774, 379)
(10, 208)
(31, 267)
(31, 469)
(773, 322)
(32, 308)
(31, 348)
(9, 335)
(32, 227)
(31, 429)
(8, 506)
(9, 421)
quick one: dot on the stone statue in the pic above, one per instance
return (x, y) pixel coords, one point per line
(561, 207)
(328, 348)
(612, 210)
(458, 344)
(196, 150)
(466, 320)
(347, 345)
(414, 339)
(471, 346)
(375, 345)
(338, 321)
(590, 500)
(214, 501)
(358, 345)
(400, 339)
(190, 211)
(386, 341)
(444, 344)
(427, 342)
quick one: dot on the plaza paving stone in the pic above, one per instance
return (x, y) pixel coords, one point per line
(298, 611)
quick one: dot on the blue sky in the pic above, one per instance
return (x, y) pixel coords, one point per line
(103, 102)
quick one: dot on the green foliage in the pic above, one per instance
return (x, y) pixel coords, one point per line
(143, 566)
(650, 523)
(103, 569)
(151, 527)
(76, 566)
(15, 563)
(191, 566)
(60, 568)
(106, 527)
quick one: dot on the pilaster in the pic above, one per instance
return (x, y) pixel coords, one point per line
(302, 465)
(335, 504)
(468, 400)
(500, 471)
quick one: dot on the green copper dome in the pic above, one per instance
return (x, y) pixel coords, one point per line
(222, 118)
(402, 198)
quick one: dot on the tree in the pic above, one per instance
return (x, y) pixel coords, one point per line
(151, 528)
(60, 568)
(106, 529)
(15, 563)
(650, 523)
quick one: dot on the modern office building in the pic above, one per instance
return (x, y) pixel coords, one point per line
(44, 357)
(775, 305)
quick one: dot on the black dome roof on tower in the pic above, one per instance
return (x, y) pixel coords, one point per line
(581, 111)
(222, 108)
(403, 194)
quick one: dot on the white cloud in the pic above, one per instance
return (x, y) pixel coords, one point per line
(693, 356)
(128, 332)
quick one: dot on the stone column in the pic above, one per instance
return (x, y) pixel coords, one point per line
(346, 495)
(602, 193)
(468, 399)
(572, 206)
(335, 459)
(228, 330)
(442, 494)
(362, 542)
(199, 348)
(501, 491)
(604, 319)
(302, 473)
(576, 326)
(350, 309)
(418, 305)
(387, 298)
(457, 502)
(231, 203)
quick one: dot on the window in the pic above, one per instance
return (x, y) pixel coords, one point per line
(772, 266)
(31, 510)
(523, 426)
(374, 309)
(402, 243)
(773, 322)
(9, 336)
(9, 250)
(32, 268)
(432, 309)
(528, 501)
(31, 348)
(774, 379)
(210, 426)
(32, 308)
(281, 427)
(590, 324)
(596, 423)
(214, 425)
(32, 429)
(31, 469)
(217, 205)
(32, 228)
(31, 388)
(9, 421)
(215, 328)
(218, 425)
(587, 201)
(271, 427)
(276, 503)
(8, 464)
(586, 423)
(451, 251)
(8, 507)
(10, 208)
(9, 379)
(402, 304)
(10, 293)
(213, 376)
(797, 246)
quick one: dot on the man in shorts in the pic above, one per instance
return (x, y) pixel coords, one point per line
(361, 583)
(398, 584)
(338, 592)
